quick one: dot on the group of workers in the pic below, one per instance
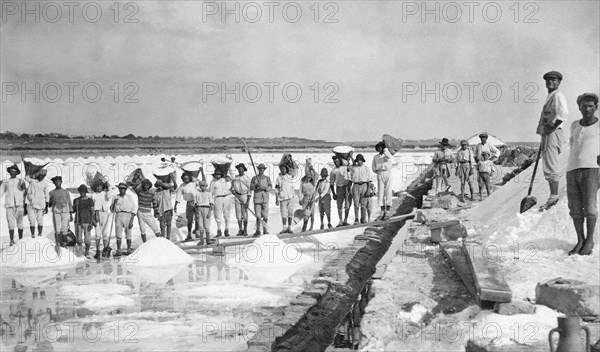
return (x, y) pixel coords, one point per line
(349, 182)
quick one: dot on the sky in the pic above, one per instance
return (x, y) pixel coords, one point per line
(332, 70)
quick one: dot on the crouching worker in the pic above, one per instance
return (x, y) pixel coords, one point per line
(164, 207)
(62, 210)
(83, 207)
(125, 208)
(204, 205)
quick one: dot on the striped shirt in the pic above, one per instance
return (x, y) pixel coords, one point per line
(147, 200)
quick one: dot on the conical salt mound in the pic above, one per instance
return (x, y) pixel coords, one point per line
(157, 252)
(37, 252)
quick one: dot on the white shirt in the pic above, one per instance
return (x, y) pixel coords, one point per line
(585, 146)
(488, 147)
(285, 186)
(382, 162)
(186, 191)
(555, 108)
(102, 200)
(38, 193)
(14, 191)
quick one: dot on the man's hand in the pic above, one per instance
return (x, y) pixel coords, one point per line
(70, 217)
(46, 210)
(277, 202)
(130, 226)
(24, 209)
(90, 227)
(334, 196)
(598, 160)
(212, 207)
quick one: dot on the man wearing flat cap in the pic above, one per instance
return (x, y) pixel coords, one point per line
(261, 185)
(14, 200)
(62, 210)
(36, 202)
(484, 147)
(554, 113)
(240, 187)
(125, 207)
(360, 175)
(583, 173)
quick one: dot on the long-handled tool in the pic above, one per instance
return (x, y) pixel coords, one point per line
(106, 250)
(529, 201)
(250, 155)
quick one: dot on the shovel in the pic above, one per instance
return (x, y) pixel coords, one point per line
(529, 201)
(106, 250)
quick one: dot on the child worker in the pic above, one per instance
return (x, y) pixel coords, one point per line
(360, 175)
(164, 210)
(323, 190)
(441, 171)
(486, 170)
(464, 168)
(204, 204)
(83, 209)
(62, 210)
(307, 191)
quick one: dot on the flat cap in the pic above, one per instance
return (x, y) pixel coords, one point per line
(587, 95)
(553, 74)
(261, 166)
(122, 185)
(483, 135)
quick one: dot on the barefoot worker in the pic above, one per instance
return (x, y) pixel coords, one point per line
(125, 208)
(220, 188)
(382, 164)
(360, 175)
(441, 171)
(102, 199)
(146, 204)
(583, 173)
(240, 187)
(36, 202)
(83, 208)
(13, 190)
(341, 188)
(261, 186)
(554, 113)
(186, 192)
(464, 168)
(164, 207)
(62, 210)
(284, 187)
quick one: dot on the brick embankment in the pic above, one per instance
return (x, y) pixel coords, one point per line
(310, 323)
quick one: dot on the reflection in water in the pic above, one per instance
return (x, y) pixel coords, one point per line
(197, 306)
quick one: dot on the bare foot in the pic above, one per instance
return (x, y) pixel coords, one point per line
(577, 248)
(587, 248)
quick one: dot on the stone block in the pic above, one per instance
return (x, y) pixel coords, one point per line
(447, 201)
(516, 307)
(427, 216)
(450, 233)
(568, 296)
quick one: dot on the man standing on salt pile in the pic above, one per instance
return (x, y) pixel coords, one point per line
(146, 204)
(441, 171)
(240, 187)
(164, 207)
(554, 113)
(284, 187)
(101, 197)
(382, 164)
(261, 185)
(341, 188)
(83, 207)
(14, 200)
(583, 173)
(186, 191)
(36, 202)
(62, 210)
(220, 188)
(124, 206)
(324, 198)
(360, 175)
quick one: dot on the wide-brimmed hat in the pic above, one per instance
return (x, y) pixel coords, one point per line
(360, 157)
(122, 185)
(56, 178)
(261, 166)
(483, 135)
(13, 167)
(324, 172)
(241, 166)
(82, 188)
(587, 95)
(553, 74)
(203, 183)
(464, 142)
(445, 141)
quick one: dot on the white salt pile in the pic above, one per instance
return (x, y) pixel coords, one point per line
(157, 252)
(37, 252)
(269, 260)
